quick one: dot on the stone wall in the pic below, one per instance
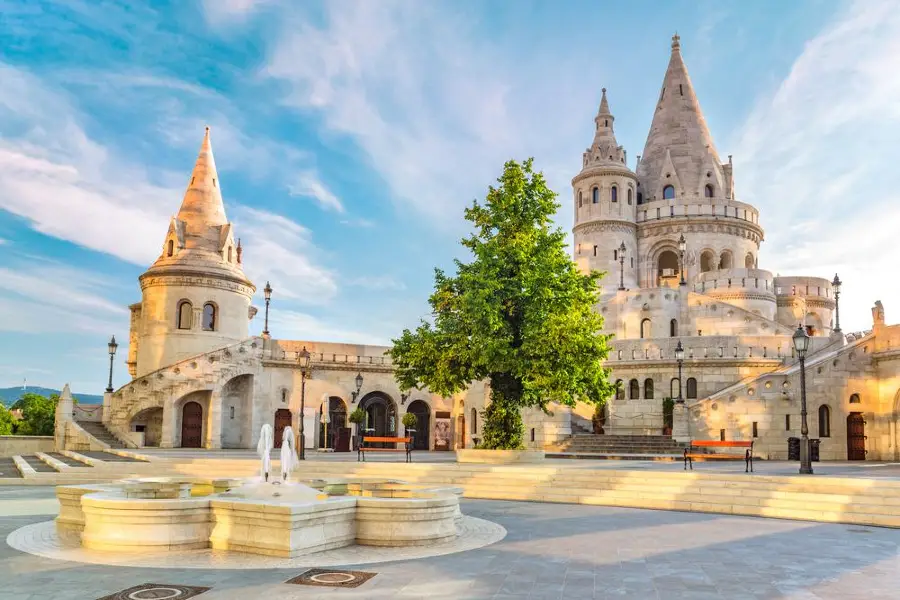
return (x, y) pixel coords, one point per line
(11, 445)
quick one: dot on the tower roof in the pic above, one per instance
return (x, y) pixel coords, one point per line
(604, 149)
(202, 208)
(679, 132)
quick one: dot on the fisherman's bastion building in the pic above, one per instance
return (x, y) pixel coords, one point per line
(681, 255)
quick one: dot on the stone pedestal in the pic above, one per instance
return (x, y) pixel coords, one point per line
(681, 431)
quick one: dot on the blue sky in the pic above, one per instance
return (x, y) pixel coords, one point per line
(350, 135)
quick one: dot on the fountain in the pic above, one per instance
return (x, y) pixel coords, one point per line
(281, 518)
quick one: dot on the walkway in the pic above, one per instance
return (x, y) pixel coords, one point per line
(551, 551)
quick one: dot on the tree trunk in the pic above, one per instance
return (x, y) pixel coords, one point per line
(502, 418)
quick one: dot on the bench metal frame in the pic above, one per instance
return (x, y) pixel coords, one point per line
(374, 439)
(747, 457)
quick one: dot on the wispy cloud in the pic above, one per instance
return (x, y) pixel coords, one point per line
(814, 154)
(378, 282)
(308, 184)
(293, 325)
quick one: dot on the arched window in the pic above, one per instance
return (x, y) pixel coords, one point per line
(824, 421)
(634, 389)
(648, 389)
(620, 390)
(171, 248)
(209, 316)
(185, 315)
(707, 261)
(229, 253)
(614, 194)
(691, 388)
(645, 328)
(673, 328)
(748, 261)
(726, 261)
(674, 388)
(629, 196)
(595, 195)
(854, 399)
(708, 191)
(580, 199)
(669, 192)
(640, 197)
(474, 421)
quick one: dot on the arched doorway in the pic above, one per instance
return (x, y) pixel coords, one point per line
(461, 429)
(283, 418)
(856, 437)
(423, 424)
(381, 415)
(337, 420)
(191, 425)
(667, 268)
(237, 408)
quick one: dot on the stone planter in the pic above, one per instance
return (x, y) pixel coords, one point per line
(499, 457)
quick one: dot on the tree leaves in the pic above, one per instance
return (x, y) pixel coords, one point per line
(519, 314)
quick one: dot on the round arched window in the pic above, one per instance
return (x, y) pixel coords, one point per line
(669, 192)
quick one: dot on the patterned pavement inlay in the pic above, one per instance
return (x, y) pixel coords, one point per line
(332, 578)
(157, 591)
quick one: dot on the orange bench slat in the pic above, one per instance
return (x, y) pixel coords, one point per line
(384, 449)
(396, 440)
(719, 444)
(719, 456)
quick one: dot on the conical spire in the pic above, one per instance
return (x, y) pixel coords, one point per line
(679, 129)
(202, 209)
(604, 148)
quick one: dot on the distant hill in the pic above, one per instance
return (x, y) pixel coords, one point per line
(9, 395)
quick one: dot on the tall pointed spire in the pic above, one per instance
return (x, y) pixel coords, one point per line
(202, 208)
(604, 148)
(679, 130)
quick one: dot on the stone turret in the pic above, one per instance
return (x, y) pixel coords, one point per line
(604, 196)
(679, 151)
(195, 296)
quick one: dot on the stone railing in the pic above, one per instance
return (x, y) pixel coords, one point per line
(711, 347)
(333, 358)
(734, 279)
(694, 208)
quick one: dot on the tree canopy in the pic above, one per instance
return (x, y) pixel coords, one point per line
(520, 314)
(38, 414)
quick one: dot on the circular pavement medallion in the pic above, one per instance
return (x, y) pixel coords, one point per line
(42, 539)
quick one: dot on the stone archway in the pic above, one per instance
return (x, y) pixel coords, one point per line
(668, 268)
(337, 420)
(237, 412)
(381, 415)
(423, 424)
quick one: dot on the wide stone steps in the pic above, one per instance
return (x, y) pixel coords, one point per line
(101, 433)
(619, 446)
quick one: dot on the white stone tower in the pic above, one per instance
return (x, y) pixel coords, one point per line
(605, 195)
(196, 297)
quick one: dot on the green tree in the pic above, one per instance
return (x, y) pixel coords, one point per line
(520, 314)
(7, 424)
(38, 414)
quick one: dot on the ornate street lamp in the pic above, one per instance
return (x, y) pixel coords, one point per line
(679, 357)
(303, 359)
(682, 245)
(836, 284)
(359, 382)
(801, 345)
(622, 267)
(404, 396)
(267, 292)
(112, 345)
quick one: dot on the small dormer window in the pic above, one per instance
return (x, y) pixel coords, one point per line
(708, 191)
(669, 192)
(680, 89)
(170, 248)
(606, 122)
(229, 253)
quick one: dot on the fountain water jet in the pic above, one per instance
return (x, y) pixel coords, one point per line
(264, 450)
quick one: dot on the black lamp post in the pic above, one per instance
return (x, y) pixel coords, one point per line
(303, 358)
(112, 345)
(267, 292)
(622, 266)
(801, 345)
(359, 382)
(682, 245)
(679, 357)
(836, 284)
(404, 396)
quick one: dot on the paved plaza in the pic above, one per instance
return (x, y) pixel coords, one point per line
(550, 551)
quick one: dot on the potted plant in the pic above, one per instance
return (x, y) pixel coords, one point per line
(357, 417)
(668, 415)
(409, 421)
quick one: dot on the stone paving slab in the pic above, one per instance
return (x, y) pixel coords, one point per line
(37, 464)
(550, 551)
(8, 469)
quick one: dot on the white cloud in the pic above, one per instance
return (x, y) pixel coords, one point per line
(816, 154)
(220, 12)
(278, 250)
(308, 184)
(293, 325)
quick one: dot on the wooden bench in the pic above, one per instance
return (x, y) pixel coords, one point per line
(371, 439)
(747, 456)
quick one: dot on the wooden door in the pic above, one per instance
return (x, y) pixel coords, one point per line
(283, 419)
(191, 425)
(461, 426)
(856, 437)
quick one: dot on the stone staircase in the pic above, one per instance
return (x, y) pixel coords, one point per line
(616, 446)
(101, 433)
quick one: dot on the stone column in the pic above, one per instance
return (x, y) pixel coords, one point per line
(167, 436)
(64, 415)
(681, 425)
(106, 415)
(214, 421)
